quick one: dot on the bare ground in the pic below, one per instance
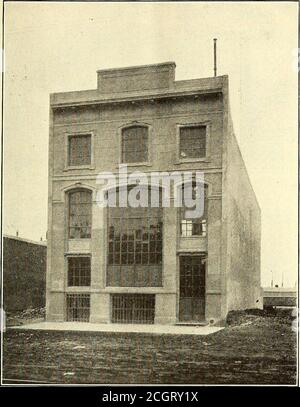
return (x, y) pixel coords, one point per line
(254, 348)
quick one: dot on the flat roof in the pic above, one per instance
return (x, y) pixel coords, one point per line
(22, 239)
(201, 86)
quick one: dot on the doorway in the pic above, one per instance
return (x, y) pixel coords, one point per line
(192, 288)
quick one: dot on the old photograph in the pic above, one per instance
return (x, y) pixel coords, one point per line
(149, 194)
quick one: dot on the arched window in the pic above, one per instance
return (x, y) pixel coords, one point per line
(191, 225)
(80, 214)
(134, 144)
(135, 244)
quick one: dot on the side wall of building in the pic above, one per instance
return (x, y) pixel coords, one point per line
(241, 229)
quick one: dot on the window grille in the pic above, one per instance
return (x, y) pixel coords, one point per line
(78, 307)
(133, 308)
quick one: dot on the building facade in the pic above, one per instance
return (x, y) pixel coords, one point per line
(148, 264)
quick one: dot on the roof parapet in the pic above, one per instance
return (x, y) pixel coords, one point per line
(133, 78)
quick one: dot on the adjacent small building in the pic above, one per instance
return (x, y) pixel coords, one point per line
(154, 264)
(279, 297)
(24, 273)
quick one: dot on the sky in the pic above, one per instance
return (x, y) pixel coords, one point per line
(57, 47)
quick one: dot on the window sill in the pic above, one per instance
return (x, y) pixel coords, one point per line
(79, 289)
(193, 237)
(79, 245)
(79, 167)
(192, 160)
(142, 164)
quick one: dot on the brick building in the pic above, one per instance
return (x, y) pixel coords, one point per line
(148, 265)
(24, 273)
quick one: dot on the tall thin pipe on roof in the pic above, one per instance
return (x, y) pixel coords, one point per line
(215, 56)
(272, 279)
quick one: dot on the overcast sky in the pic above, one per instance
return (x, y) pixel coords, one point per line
(57, 47)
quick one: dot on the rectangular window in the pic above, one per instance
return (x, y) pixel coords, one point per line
(133, 308)
(190, 226)
(79, 271)
(135, 144)
(135, 240)
(194, 227)
(192, 142)
(78, 307)
(79, 150)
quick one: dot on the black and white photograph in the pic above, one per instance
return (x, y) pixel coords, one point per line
(149, 195)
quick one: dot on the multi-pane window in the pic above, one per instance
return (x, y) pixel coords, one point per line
(79, 271)
(194, 226)
(135, 246)
(78, 307)
(79, 150)
(192, 142)
(135, 144)
(80, 214)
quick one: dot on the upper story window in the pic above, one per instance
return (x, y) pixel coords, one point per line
(134, 144)
(192, 142)
(79, 150)
(80, 214)
(189, 225)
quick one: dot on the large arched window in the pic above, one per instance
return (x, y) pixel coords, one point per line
(134, 144)
(193, 225)
(80, 214)
(135, 245)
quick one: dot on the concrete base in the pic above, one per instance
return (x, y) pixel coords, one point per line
(121, 328)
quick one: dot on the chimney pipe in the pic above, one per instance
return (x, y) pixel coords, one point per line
(215, 56)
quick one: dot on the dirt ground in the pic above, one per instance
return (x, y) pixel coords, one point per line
(256, 347)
